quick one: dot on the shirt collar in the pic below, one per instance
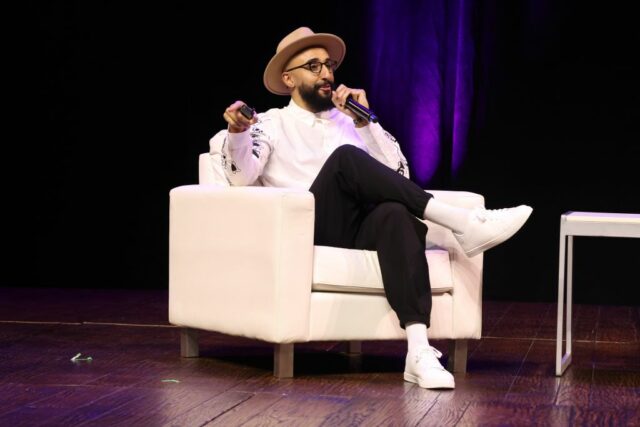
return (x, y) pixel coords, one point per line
(307, 116)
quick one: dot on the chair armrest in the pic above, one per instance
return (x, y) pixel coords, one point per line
(466, 272)
(240, 260)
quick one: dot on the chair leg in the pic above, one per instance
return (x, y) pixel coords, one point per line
(458, 356)
(354, 352)
(351, 348)
(354, 347)
(283, 360)
(189, 342)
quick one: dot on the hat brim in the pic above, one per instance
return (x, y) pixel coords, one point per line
(273, 73)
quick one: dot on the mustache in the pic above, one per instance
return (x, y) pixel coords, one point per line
(325, 82)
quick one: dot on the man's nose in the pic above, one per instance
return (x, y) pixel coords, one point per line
(325, 71)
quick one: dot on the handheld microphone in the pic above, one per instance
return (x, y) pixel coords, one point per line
(359, 109)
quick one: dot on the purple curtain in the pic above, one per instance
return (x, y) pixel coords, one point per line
(421, 81)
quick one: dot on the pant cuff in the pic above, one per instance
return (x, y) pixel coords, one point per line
(408, 318)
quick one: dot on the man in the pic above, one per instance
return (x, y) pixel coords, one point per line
(359, 178)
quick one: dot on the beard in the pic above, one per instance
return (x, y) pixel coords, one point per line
(314, 98)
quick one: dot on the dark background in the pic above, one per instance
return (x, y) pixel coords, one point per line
(114, 102)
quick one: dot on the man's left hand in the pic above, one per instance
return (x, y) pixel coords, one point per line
(339, 98)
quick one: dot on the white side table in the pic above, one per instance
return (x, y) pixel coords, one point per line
(583, 224)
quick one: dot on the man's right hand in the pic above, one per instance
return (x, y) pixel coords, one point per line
(237, 122)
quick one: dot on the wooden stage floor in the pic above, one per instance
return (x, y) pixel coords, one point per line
(136, 377)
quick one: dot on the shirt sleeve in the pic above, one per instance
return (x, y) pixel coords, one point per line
(245, 154)
(383, 147)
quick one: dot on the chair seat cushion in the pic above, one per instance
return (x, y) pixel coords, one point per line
(358, 271)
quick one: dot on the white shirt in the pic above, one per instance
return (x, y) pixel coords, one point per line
(288, 146)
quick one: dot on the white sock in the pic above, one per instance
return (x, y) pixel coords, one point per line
(416, 335)
(452, 217)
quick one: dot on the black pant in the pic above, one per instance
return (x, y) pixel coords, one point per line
(363, 204)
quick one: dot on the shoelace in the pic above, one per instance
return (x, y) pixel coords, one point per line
(489, 214)
(428, 353)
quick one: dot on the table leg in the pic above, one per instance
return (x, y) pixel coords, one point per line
(569, 301)
(559, 325)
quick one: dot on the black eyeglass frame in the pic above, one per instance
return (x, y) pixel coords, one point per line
(329, 63)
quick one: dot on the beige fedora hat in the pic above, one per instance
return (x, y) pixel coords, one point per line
(294, 42)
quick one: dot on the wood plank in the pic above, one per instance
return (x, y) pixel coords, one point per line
(492, 313)
(539, 360)
(511, 375)
(92, 410)
(575, 388)
(81, 305)
(156, 406)
(548, 324)
(575, 384)
(247, 410)
(447, 410)
(496, 413)
(325, 385)
(308, 410)
(14, 396)
(325, 373)
(382, 411)
(356, 413)
(209, 410)
(54, 406)
(611, 416)
(499, 356)
(535, 383)
(635, 320)
(523, 320)
(625, 356)
(616, 324)
(585, 322)
(615, 388)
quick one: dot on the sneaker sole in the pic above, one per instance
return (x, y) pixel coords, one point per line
(506, 234)
(428, 384)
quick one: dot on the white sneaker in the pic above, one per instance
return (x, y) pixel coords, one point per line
(423, 368)
(487, 228)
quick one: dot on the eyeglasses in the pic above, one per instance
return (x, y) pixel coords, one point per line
(315, 66)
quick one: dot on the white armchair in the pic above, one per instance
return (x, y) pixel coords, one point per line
(242, 262)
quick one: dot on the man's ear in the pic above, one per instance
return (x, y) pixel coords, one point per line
(288, 80)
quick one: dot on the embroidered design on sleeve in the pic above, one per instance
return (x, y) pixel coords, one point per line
(402, 164)
(223, 157)
(390, 137)
(255, 131)
(229, 165)
(257, 149)
(257, 134)
(234, 168)
(225, 163)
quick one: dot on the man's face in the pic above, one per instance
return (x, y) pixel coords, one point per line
(314, 89)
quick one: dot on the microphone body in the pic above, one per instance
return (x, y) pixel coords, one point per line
(361, 111)
(358, 109)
